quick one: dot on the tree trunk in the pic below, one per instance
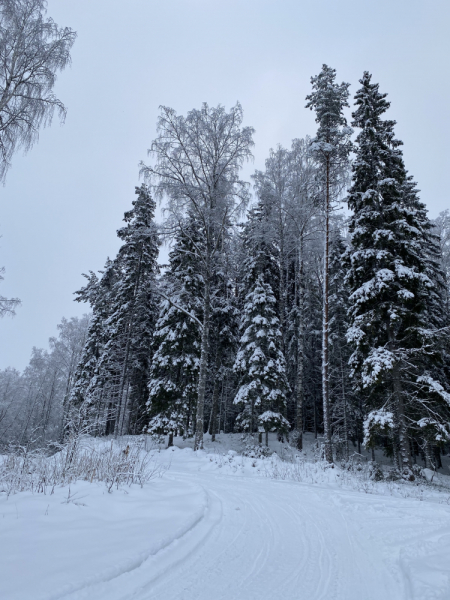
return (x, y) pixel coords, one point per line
(198, 443)
(437, 457)
(215, 400)
(123, 422)
(344, 399)
(428, 456)
(325, 340)
(213, 423)
(404, 455)
(170, 441)
(300, 352)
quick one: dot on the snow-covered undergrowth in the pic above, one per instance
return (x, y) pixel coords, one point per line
(235, 454)
(114, 463)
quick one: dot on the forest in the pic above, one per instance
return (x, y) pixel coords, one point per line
(314, 298)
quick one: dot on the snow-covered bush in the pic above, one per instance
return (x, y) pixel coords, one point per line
(273, 421)
(375, 472)
(256, 451)
(112, 464)
(377, 422)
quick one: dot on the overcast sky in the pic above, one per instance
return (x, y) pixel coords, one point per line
(64, 200)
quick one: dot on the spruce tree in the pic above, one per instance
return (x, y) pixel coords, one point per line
(260, 361)
(391, 328)
(224, 331)
(133, 312)
(174, 370)
(88, 393)
(113, 370)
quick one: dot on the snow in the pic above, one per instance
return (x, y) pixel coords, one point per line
(226, 526)
(377, 420)
(435, 386)
(57, 545)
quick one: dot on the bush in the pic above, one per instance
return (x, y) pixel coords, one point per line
(111, 463)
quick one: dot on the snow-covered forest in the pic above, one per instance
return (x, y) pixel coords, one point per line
(255, 400)
(313, 299)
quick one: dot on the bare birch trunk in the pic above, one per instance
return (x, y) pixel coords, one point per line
(213, 422)
(215, 400)
(344, 398)
(199, 425)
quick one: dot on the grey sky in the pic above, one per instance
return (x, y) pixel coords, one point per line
(64, 200)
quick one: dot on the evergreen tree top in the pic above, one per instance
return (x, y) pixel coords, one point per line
(139, 220)
(327, 99)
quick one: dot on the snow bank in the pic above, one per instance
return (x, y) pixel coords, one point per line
(56, 544)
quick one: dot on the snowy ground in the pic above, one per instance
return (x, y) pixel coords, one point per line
(223, 526)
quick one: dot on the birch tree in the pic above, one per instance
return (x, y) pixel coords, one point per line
(277, 234)
(7, 305)
(198, 159)
(32, 50)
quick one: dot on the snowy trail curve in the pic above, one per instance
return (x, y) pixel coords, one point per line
(215, 527)
(261, 539)
(277, 538)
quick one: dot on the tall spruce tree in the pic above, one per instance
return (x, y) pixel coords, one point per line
(390, 281)
(331, 148)
(174, 370)
(133, 312)
(113, 371)
(224, 331)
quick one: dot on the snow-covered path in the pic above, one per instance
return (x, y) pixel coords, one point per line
(279, 539)
(261, 539)
(256, 538)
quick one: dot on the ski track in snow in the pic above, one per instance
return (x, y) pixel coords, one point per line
(252, 537)
(260, 539)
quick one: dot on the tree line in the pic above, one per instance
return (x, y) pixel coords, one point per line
(282, 314)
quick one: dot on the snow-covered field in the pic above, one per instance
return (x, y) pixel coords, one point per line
(224, 526)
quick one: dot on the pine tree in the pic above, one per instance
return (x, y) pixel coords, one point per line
(390, 282)
(331, 148)
(260, 361)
